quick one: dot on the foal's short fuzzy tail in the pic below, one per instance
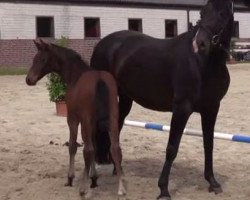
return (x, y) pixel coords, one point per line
(103, 122)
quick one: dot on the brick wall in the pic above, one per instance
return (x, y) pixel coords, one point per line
(20, 53)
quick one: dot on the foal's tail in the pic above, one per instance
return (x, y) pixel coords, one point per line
(103, 124)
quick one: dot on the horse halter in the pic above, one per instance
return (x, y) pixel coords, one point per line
(215, 37)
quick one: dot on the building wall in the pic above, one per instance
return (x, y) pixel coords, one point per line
(20, 53)
(244, 24)
(18, 26)
(19, 19)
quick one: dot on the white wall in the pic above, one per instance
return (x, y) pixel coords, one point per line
(244, 24)
(18, 20)
(194, 16)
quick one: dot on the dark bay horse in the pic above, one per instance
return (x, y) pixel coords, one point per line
(91, 100)
(182, 75)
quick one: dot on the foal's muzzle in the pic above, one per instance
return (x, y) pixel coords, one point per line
(30, 81)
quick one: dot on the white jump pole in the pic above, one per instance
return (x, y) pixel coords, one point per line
(192, 132)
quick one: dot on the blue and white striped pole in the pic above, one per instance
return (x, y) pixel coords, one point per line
(192, 132)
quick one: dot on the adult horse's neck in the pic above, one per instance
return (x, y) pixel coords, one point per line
(69, 65)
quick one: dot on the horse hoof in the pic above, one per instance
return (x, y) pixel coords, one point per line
(216, 190)
(122, 190)
(68, 184)
(88, 195)
(122, 198)
(82, 193)
(163, 198)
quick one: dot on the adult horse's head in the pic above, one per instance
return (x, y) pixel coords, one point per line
(215, 26)
(42, 63)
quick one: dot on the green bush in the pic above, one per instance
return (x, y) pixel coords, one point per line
(55, 85)
(56, 88)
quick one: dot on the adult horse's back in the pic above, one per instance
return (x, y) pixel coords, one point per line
(184, 75)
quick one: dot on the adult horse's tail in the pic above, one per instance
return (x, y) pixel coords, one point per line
(103, 124)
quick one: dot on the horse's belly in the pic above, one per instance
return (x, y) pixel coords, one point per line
(150, 89)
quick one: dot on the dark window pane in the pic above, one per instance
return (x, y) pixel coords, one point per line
(236, 29)
(170, 28)
(45, 26)
(135, 25)
(92, 27)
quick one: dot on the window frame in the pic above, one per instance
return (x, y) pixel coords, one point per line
(140, 20)
(99, 27)
(52, 28)
(236, 33)
(176, 27)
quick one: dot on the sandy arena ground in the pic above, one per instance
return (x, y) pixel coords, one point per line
(33, 169)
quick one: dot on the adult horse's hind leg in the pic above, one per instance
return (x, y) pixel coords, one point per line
(73, 127)
(208, 119)
(181, 113)
(125, 105)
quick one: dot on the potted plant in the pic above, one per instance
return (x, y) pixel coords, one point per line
(56, 87)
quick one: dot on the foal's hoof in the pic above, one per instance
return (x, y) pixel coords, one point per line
(86, 194)
(216, 190)
(161, 197)
(164, 198)
(122, 198)
(68, 184)
(93, 182)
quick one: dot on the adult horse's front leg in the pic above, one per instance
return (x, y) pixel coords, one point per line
(208, 119)
(181, 113)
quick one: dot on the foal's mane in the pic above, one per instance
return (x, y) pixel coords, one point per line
(69, 56)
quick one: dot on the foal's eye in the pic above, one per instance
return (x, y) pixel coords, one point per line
(43, 59)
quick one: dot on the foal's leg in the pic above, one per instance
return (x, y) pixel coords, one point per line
(116, 153)
(93, 175)
(115, 148)
(208, 119)
(73, 128)
(181, 113)
(89, 156)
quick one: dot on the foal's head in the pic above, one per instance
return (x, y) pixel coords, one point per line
(215, 26)
(52, 58)
(43, 63)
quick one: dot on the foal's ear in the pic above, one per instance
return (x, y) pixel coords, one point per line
(44, 45)
(38, 46)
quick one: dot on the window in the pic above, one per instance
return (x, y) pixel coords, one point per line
(135, 25)
(236, 29)
(92, 27)
(170, 28)
(45, 27)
